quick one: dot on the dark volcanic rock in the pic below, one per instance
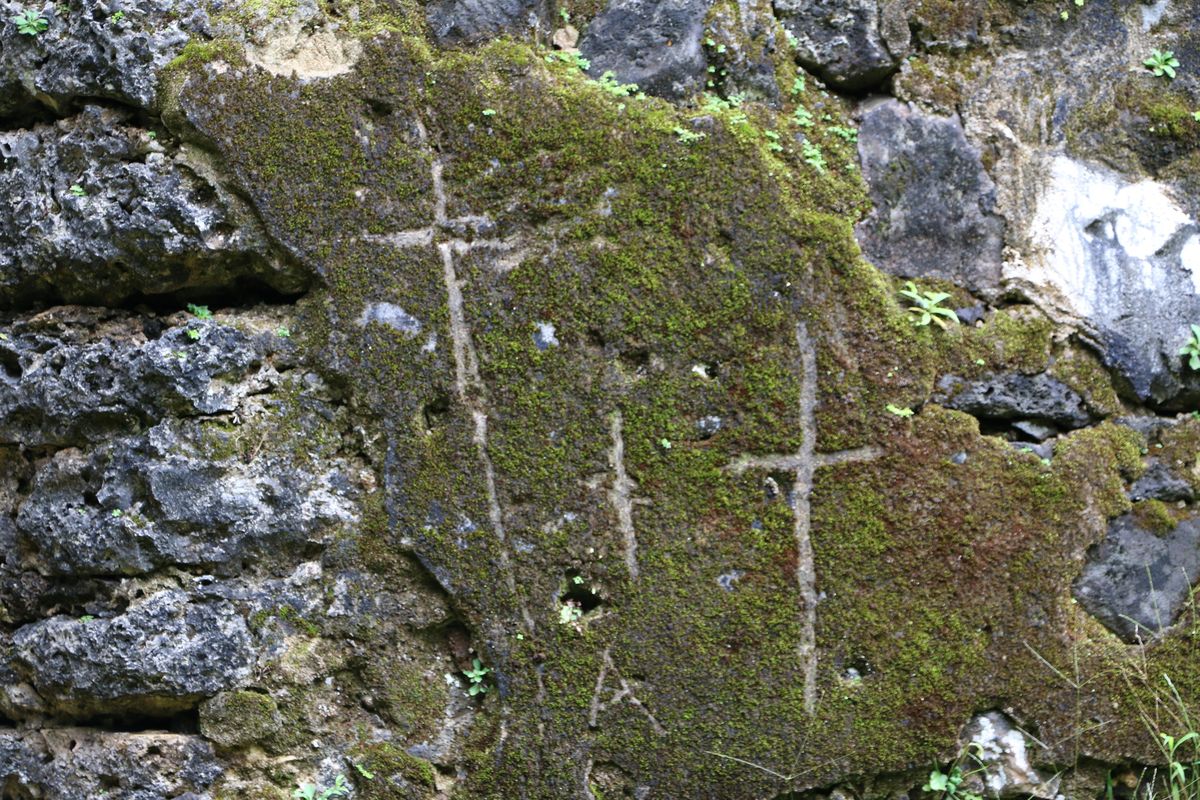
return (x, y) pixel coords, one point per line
(145, 502)
(1011, 396)
(90, 51)
(455, 21)
(164, 654)
(1160, 482)
(98, 211)
(933, 214)
(852, 44)
(73, 375)
(655, 45)
(84, 763)
(1136, 582)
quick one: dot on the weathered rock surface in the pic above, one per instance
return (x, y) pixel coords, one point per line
(587, 404)
(74, 375)
(655, 45)
(1124, 257)
(99, 210)
(92, 50)
(852, 44)
(1160, 482)
(1001, 764)
(80, 762)
(463, 21)
(1013, 396)
(165, 653)
(1136, 581)
(142, 503)
(934, 204)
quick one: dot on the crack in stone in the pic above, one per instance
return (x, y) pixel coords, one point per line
(804, 464)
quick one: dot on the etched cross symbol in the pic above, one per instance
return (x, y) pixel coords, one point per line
(803, 464)
(468, 383)
(620, 494)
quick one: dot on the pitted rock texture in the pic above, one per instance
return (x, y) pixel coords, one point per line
(76, 375)
(83, 667)
(99, 210)
(142, 503)
(92, 50)
(1013, 396)
(80, 762)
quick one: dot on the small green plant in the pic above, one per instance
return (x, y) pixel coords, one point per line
(1161, 62)
(116, 17)
(1192, 348)
(903, 412)
(569, 612)
(609, 83)
(928, 306)
(813, 156)
(489, 112)
(77, 190)
(687, 137)
(193, 334)
(802, 117)
(309, 791)
(362, 770)
(798, 84)
(948, 785)
(282, 332)
(773, 143)
(30, 22)
(199, 312)
(564, 15)
(117, 513)
(847, 134)
(86, 618)
(665, 444)
(476, 675)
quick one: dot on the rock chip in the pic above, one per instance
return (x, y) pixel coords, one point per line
(1136, 582)
(934, 202)
(1013, 396)
(162, 655)
(462, 21)
(656, 45)
(852, 44)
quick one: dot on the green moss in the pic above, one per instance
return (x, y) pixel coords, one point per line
(240, 718)
(1154, 516)
(397, 775)
(674, 276)
(1083, 372)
